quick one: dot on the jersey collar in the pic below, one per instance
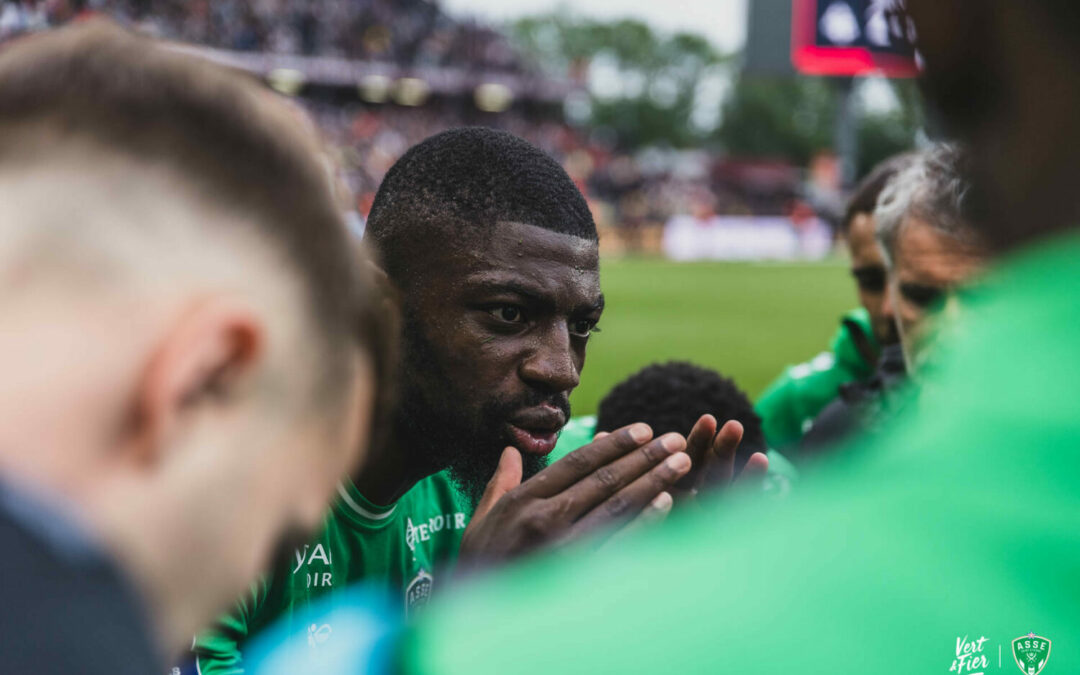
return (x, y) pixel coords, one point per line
(358, 508)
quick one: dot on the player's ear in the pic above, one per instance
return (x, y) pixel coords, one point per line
(208, 354)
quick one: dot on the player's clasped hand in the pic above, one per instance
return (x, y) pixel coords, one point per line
(615, 478)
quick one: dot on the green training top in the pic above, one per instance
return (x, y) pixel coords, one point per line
(794, 399)
(579, 431)
(402, 548)
(950, 545)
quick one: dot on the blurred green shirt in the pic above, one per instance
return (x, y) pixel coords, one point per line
(899, 557)
(794, 399)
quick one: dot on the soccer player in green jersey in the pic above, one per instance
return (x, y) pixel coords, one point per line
(937, 547)
(493, 253)
(790, 403)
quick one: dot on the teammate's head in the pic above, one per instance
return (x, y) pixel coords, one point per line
(1004, 76)
(923, 227)
(867, 263)
(671, 397)
(181, 310)
(494, 252)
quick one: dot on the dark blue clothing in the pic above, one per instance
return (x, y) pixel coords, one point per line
(64, 606)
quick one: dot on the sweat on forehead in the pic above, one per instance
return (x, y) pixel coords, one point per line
(463, 182)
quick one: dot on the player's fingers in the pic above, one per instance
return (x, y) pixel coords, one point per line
(599, 435)
(607, 480)
(700, 438)
(580, 463)
(698, 443)
(629, 501)
(507, 477)
(655, 512)
(721, 462)
(754, 471)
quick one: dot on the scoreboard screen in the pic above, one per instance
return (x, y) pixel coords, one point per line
(852, 37)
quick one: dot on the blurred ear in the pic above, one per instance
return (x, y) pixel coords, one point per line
(203, 360)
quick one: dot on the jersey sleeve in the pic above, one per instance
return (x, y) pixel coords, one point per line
(795, 398)
(217, 650)
(791, 402)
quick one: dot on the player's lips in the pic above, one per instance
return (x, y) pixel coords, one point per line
(535, 430)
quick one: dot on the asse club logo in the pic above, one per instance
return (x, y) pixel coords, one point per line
(1031, 652)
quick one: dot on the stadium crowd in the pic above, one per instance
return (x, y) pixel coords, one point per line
(216, 399)
(410, 32)
(626, 190)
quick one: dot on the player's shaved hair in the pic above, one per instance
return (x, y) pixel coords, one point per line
(93, 100)
(462, 182)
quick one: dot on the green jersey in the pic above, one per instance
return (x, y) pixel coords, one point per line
(402, 548)
(789, 405)
(949, 545)
(579, 431)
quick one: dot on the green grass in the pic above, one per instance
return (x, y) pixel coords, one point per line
(746, 320)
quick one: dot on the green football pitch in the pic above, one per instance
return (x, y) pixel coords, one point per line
(746, 320)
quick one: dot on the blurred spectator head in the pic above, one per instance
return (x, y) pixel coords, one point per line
(183, 309)
(671, 397)
(703, 204)
(495, 254)
(867, 263)
(925, 232)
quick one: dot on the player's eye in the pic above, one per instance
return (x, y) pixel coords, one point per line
(508, 314)
(583, 327)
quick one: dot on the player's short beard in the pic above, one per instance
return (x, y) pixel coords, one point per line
(445, 435)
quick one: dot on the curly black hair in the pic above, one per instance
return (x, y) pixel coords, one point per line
(670, 397)
(463, 181)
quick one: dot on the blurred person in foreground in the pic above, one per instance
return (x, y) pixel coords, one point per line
(182, 387)
(789, 405)
(932, 548)
(493, 252)
(674, 396)
(924, 234)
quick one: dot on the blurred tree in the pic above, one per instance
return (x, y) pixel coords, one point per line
(792, 117)
(882, 135)
(645, 86)
(778, 117)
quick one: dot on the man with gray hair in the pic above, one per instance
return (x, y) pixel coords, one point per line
(924, 231)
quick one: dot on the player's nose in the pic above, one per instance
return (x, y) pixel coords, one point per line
(551, 365)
